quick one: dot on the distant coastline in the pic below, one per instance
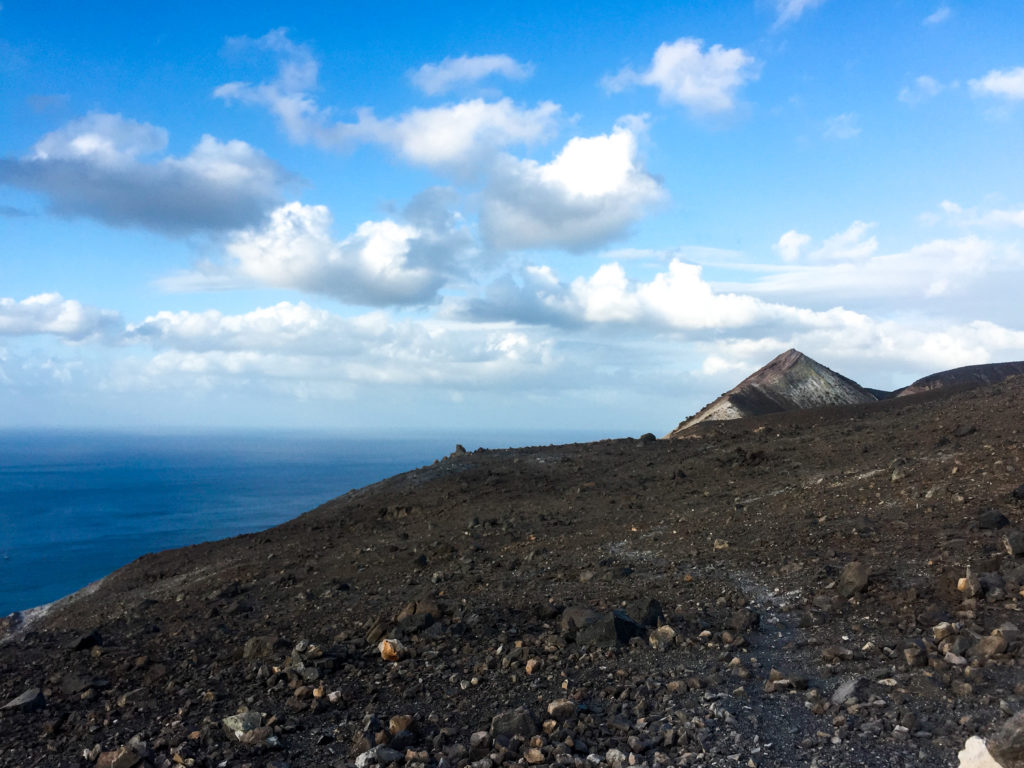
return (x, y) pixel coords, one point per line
(76, 505)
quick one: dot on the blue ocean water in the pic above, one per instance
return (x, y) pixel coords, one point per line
(75, 506)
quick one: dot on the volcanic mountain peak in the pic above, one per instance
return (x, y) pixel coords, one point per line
(789, 382)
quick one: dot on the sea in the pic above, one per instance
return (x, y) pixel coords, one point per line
(77, 505)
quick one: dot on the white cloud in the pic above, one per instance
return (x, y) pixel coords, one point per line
(849, 269)
(790, 245)
(925, 346)
(588, 195)
(852, 244)
(842, 126)
(706, 83)
(676, 299)
(433, 79)
(94, 166)
(463, 134)
(939, 15)
(314, 351)
(52, 314)
(973, 217)
(791, 10)
(381, 263)
(1008, 84)
(922, 89)
(449, 136)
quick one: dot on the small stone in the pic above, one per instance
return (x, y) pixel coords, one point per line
(392, 649)
(718, 545)
(124, 757)
(988, 646)
(661, 638)
(379, 755)
(236, 725)
(30, 700)
(516, 722)
(853, 579)
(400, 723)
(1013, 541)
(532, 666)
(562, 709)
(86, 641)
(992, 519)
(847, 689)
(942, 630)
(534, 756)
(915, 656)
(1018, 493)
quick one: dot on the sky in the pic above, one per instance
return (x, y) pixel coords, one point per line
(532, 215)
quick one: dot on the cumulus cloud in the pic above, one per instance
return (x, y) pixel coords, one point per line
(842, 126)
(96, 166)
(676, 299)
(956, 214)
(791, 10)
(381, 263)
(52, 314)
(683, 73)
(922, 89)
(790, 245)
(449, 136)
(586, 196)
(442, 77)
(939, 15)
(311, 347)
(1007, 84)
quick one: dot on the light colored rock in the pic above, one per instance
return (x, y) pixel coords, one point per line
(663, 637)
(237, 725)
(562, 709)
(975, 755)
(392, 649)
(28, 701)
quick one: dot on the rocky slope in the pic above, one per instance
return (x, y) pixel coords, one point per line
(789, 382)
(968, 376)
(828, 587)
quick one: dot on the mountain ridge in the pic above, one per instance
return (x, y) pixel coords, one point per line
(793, 381)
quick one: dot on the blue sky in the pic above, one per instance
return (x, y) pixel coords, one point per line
(532, 215)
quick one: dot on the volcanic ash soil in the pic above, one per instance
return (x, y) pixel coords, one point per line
(837, 587)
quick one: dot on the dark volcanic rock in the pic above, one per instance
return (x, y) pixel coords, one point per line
(1007, 745)
(992, 519)
(516, 722)
(853, 579)
(615, 628)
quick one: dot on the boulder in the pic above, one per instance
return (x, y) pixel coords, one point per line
(853, 579)
(992, 519)
(615, 628)
(575, 617)
(514, 722)
(1007, 745)
(30, 700)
